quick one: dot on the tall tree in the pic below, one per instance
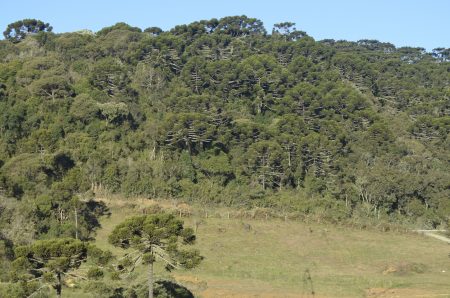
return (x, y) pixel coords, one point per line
(156, 236)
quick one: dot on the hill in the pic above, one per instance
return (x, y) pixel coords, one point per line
(220, 113)
(220, 106)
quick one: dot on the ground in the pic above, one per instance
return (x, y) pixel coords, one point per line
(277, 258)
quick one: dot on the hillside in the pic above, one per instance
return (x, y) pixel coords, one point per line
(220, 106)
(220, 113)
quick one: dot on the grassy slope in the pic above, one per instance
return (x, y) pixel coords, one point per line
(274, 257)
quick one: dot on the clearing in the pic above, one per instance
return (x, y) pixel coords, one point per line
(276, 258)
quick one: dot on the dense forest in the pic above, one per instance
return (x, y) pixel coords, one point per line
(219, 112)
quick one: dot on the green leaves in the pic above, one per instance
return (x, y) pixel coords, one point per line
(189, 258)
(95, 273)
(52, 87)
(114, 112)
(18, 30)
(213, 107)
(109, 75)
(118, 26)
(51, 260)
(188, 236)
(157, 237)
(148, 258)
(98, 256)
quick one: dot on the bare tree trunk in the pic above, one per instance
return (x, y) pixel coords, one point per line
(153, 153)
(76, 223)
(264, 181)
(150, 280)
(58, 286)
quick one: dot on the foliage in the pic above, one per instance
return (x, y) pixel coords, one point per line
(17, 31)
(51, 261)
(155, 237)
(221, 107)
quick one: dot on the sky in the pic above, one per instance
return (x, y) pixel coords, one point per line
(417, 23)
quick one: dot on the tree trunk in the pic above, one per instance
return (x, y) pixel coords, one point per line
(58, 286)
(150, 280)
(76, 223)
(289, 156)
(264, 181)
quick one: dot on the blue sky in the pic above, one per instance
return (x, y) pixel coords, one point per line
(401, 22)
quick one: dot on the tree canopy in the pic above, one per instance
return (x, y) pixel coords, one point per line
(221, 106)
(50, 260)
(156, 237)
(18, 30)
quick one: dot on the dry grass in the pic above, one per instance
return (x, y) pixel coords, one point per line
(276, 258)
(341, 262)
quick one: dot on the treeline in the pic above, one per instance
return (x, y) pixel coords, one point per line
(219, 112)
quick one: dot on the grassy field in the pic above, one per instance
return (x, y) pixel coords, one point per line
(276, 258)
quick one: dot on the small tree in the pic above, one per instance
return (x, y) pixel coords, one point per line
(51, 260)
(156, 236)
(17, 31)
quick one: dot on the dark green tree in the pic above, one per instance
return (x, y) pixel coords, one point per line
(154, 31)
(153, 237)
(53, 260)
(17, 31)
(118, 26)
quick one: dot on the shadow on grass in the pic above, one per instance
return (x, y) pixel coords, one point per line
(167, 288)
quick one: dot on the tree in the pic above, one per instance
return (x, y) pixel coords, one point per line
(84, 109)
(441, 54)
(265, 163)
(17, 31)
(241, 26)
(156, 236)
(110, 76)
(52, 87)
(118, 26)
(2, 91)
(114, 112)
(154, 31)
(283, 28)
(51, 260)
(288, 31)
(189, 131)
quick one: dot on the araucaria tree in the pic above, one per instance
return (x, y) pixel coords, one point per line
(51, 260)
(156, 237)
(17, 31)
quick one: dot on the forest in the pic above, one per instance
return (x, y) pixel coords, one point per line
(218, 112)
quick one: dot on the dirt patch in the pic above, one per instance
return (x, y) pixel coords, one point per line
(224, 293)
(191, 282)
(404, 268)
(402, 293)
(247, 289)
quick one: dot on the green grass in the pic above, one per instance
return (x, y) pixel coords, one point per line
(274, 258)
(341, 262)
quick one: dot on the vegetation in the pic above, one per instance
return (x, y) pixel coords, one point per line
(217, 113)
(220, 106)
(273, 257)
(50, 261)
(17, 31)
(155, 237)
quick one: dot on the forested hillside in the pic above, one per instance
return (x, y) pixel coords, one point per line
(220, 112)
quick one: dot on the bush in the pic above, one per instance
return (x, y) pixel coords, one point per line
(102, 289)
(22, 290)
(95, 273)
